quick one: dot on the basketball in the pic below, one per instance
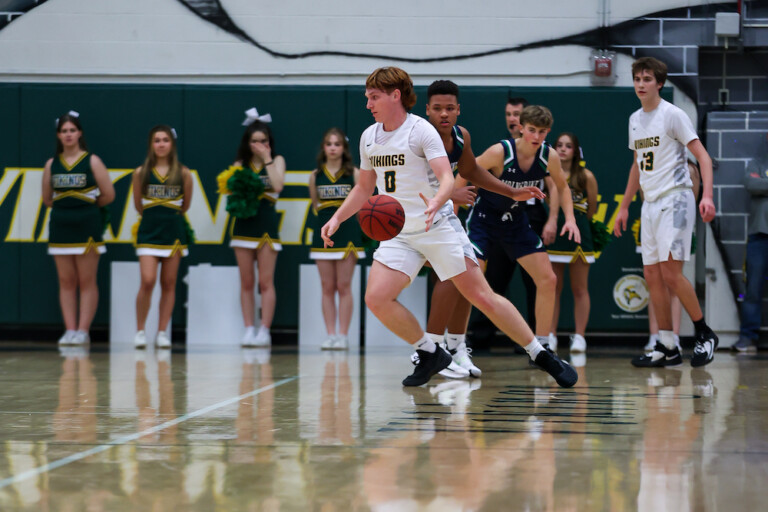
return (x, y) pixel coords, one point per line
(381, 217)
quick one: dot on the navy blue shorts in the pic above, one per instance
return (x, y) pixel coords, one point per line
(514, 234)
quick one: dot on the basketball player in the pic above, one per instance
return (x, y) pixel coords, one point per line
(447, 311)
(659, 132)
(403, 156)
(502, 222)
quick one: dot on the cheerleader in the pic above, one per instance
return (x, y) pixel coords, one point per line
(76, 185)
(329, 185)
(162, 192)
(562, 251)
(255, 232)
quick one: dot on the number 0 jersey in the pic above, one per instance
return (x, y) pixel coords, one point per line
(400, 159)
(659, 137)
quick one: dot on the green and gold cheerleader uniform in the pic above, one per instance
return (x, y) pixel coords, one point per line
(76, 225)
(563, 250)
(347, 241)
(262, 228)
(163, 229)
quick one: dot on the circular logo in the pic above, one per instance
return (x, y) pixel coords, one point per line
(631, 293)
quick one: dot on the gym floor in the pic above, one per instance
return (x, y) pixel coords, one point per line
(117, 429)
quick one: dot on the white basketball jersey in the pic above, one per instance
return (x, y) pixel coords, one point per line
(660, 137)
(400, 173)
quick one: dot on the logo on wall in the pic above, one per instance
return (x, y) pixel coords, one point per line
(631, 293)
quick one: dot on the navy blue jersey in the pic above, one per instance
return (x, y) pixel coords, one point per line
(458, 148)
(515, 177)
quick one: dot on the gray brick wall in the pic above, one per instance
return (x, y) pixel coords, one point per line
(732, 139)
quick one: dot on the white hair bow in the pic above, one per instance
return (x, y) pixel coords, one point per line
(71, 113)
(252, 115)
(173, 132)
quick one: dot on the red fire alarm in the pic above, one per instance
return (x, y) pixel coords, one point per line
(603, 66)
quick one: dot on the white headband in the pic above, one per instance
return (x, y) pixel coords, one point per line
(252, 115)
(71, 113)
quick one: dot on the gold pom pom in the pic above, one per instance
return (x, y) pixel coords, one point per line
(636, 231)
(224, 176)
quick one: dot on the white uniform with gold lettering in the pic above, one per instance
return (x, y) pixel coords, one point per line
(400, 159)
(668, 216)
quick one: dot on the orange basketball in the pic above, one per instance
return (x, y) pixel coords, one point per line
(381, 218)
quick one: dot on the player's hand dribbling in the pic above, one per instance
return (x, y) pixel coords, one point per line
(620, 224)
(431, 210)
(707, 209)
(572, 229)
(464, 195)
(327, 232)
(526, 193)
(549, 232)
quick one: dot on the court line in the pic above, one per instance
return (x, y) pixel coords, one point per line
(127, 439)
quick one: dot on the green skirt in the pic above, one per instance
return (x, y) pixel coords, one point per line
(76, 230)
(347, 241)
(162, 233)
(563, 250)
(262, 228)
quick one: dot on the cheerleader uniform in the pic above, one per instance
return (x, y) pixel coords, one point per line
(262, 228)
(163, 228)
(563, 250)
(347, 241)
(76, 225)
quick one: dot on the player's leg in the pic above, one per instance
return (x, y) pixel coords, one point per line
(344, 270)
(327, 271)
(653, 327)
(539, 268)
(579, 271)
(384, 286)
(67, 274)
(87, 267)
(472, 284)
(666, 352)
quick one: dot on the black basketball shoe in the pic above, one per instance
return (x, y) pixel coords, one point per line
(562, 372)
(704, 350)
(429, 364)
(659, 357)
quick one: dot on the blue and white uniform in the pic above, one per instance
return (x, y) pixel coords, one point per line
(499, 219)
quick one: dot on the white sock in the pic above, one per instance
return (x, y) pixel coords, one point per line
(264, 328)
(667, 339)
(533, 348)
(437, 339)
(426, 344)
(654, 338)
(677, 339)
(544, 340)
(70, 332)
(454, 340)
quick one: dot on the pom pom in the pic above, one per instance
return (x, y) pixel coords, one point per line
(246, 189)
(224, 176)
(135, 231)
(190, 232)
(600, 235)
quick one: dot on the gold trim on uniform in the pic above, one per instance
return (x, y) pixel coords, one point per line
(177, 247)
(68, 167)
(260, 240)
(158, 176)
(330, 176)
(329, 204)
(349, 250)
(578, 253)
(90, 245)
(76, 194)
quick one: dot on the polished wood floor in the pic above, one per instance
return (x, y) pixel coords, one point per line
(254, 430)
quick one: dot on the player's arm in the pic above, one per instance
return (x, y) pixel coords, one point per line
(313, 191)
(186, 177)
(707, 204)
(441, 167)
(633, 185)
(47, 187)
(362, 190)
(471, 170)
(103, 181)
(137, 192)
(591, 193)
(564, 194)
(463, 193)
(492, 159)
(549, 231)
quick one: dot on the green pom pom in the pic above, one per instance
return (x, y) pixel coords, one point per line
(190, 232)
(600, 235)
(106, 218)
(246, 190)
